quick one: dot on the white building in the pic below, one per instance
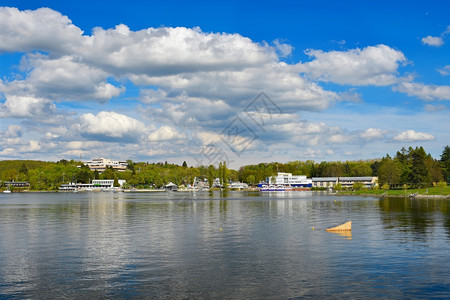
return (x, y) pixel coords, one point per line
(287, 179)
(368, 182)
(96, 184)
(325, 182)
(345, 182)
(100, 164)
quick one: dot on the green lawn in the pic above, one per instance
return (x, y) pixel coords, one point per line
(425, 191)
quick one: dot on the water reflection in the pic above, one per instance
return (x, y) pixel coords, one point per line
(221, 245)
(418, 216)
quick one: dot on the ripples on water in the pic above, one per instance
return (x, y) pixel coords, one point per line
(233, 246)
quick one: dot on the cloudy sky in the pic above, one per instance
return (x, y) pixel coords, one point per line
(203, 82)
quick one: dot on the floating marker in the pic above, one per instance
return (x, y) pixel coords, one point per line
(220, 229)
(344, 227)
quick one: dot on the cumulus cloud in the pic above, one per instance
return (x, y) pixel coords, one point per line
(111, 126)
(280, 81)
(373, 133)
(339, 139)
(412, 136)
(311, 153)
(282, 48)
(434, 41)
(424, 92)
(13, 131)
(165, 133)
(189, 82)
(64, 78)
(42, 29)
(434, 108)
(31, 146)
(444, 71)
(27, 107)
(164, 51)
(373, 65)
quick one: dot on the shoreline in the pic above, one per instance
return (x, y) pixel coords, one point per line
(412, 196)
(421, 196)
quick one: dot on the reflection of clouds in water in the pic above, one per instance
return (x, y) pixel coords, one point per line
(116, 244)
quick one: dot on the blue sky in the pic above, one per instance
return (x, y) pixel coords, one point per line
(156, 81)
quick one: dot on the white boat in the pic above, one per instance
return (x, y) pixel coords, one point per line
(275, 188)
(8, 190)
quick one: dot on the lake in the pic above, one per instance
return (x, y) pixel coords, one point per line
(235, 245)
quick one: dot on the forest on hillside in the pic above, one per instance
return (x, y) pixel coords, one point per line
(412, 167)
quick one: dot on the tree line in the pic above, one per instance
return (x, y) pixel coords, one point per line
(412, 167)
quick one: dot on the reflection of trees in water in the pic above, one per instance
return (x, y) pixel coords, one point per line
(415, 215)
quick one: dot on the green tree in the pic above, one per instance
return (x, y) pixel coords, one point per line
(225, 174)
(361, 168)
(445, 163)
(109, 173)
(434, 169)
(220, 170)
(210, 175)
(23, 169)
(10, 175)
(84, 174)
(184, 164)
(389, 172)
(419, 172)
(251, 179)
(357, 186)
(130, 165)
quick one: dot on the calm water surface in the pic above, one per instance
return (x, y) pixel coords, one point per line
(234, 246)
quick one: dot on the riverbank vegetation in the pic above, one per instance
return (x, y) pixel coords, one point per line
(408, 168)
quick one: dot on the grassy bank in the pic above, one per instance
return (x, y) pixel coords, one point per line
(431, 191)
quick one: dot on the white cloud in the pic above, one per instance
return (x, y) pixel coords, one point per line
(434, 108)
(32, 146)
(165, 133)
(373, 133)
(195, 84)
(280, 81)
(425, 92)
(434, 41)
(75, 145)
(27, 107)
(373, 65)
(412, 136)
(339, 139)
(310, 153)
(8, 152)
(64, 78)
(13, 131)
(165, 50)
(111, 126)
(329, 152)
(284, 49)
(444, 71)
(42, 29)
